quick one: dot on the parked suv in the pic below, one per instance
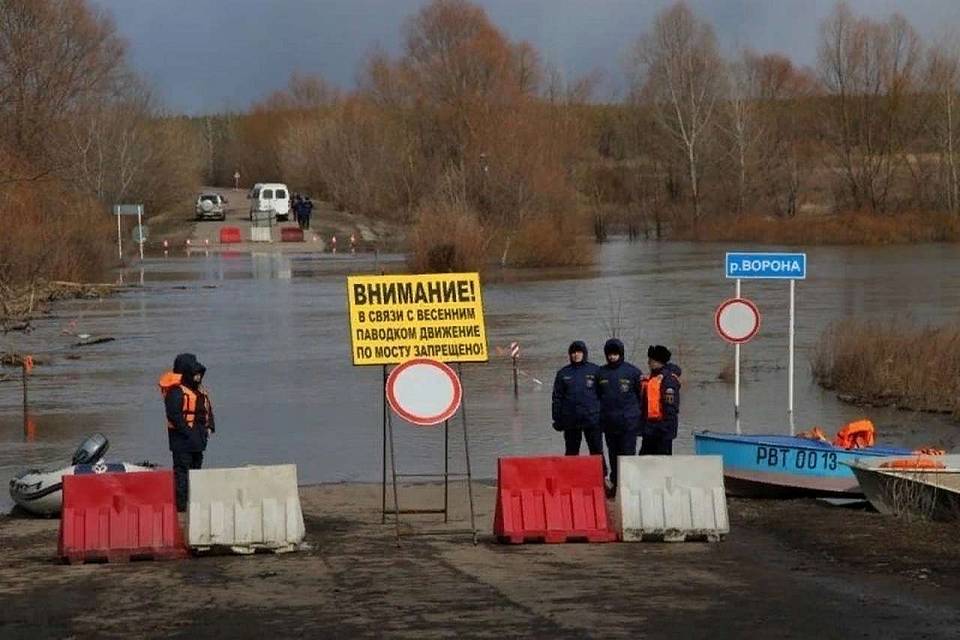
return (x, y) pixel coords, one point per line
(211, 205)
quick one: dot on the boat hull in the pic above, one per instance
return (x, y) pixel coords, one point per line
(40, 492)
(786, 466)
(916, 493)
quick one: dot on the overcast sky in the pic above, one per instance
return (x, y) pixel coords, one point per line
(208, 55)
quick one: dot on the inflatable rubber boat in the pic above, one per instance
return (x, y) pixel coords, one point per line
(39, 491)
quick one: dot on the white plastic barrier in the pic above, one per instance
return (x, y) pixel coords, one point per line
(261, 234)
(245, 509)
(672, 498)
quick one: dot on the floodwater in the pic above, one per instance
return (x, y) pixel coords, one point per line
(272, 330)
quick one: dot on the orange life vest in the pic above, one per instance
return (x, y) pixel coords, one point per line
(814, 434)
(168, 381)
(654, 405)
(913, 463)
(855, 435)
(654, 393)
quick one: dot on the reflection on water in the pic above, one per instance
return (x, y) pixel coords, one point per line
(272, 329)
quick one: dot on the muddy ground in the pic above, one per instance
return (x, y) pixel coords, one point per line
(787, 570)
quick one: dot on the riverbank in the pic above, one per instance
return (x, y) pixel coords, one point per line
(850, 228)
(793, 569)
(891, 364)
(18, 305)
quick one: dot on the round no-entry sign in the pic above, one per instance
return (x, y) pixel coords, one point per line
(737, 320)
(424, 392)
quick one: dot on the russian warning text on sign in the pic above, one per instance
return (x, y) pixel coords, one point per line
(395, 318)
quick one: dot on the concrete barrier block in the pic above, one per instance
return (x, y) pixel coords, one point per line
(245, 509)
(261, 234)
(671, 498)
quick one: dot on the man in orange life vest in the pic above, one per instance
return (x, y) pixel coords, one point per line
(660, 401)
(189, 419)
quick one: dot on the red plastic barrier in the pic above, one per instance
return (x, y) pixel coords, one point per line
(230, 235)
(119, 517)
(551, 499)
(291, 234)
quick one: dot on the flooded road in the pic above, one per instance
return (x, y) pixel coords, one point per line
(272, 330)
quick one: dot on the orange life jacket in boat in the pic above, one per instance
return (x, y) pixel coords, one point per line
(913, 463)
(855, 435)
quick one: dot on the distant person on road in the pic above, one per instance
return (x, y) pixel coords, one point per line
(190, 420)
(576, 405)
(307, 208)
(618, 385)
(661, 403)
(296, 206)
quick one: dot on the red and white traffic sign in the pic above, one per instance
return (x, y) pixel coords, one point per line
(737, 320)
(514, 349)
(424, 392)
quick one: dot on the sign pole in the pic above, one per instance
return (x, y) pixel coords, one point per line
(446, 471)
(119, 239)
(383, 492)
(393, 466)
(736, 376)
(140, 230)
(26, 398)
(790, 379)
(466, 452)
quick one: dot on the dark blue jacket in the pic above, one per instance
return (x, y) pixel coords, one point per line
(667, 426)
(575, 401)
(182, 438)
(619, 388)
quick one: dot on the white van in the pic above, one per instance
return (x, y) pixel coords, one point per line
(270, 196)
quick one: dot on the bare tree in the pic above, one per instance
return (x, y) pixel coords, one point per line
(677, 68)
(869, 69)
(54, 55)
(742, 124)
(942, 79)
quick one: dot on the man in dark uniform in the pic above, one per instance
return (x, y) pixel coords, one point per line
(189, 419)
(306, 209)
(576, 406)
(618, 384)
(661, 403)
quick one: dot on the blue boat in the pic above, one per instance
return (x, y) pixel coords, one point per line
(775, 466)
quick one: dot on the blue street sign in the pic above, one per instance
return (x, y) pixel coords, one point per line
(777, 266)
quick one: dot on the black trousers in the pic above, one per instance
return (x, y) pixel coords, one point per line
(594, 437)
(182, 463)
(623, 443)
(656, 446)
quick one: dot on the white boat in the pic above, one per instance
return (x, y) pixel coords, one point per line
(926, 487)
(40, 491)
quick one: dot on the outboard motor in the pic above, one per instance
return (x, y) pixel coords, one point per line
(91, 450)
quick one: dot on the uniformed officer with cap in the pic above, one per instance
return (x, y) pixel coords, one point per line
(660, 403)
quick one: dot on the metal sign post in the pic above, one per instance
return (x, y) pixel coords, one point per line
(769, 266)
(140, 229)
(736, 375)
(407, 398)
(737, 321)
(128, 210)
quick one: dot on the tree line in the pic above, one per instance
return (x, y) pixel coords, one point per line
(79, 132)
(470, 136)
(482, 151)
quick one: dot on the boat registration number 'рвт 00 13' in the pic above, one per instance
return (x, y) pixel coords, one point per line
(780, 457)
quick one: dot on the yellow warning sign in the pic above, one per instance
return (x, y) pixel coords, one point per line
(437, 316)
